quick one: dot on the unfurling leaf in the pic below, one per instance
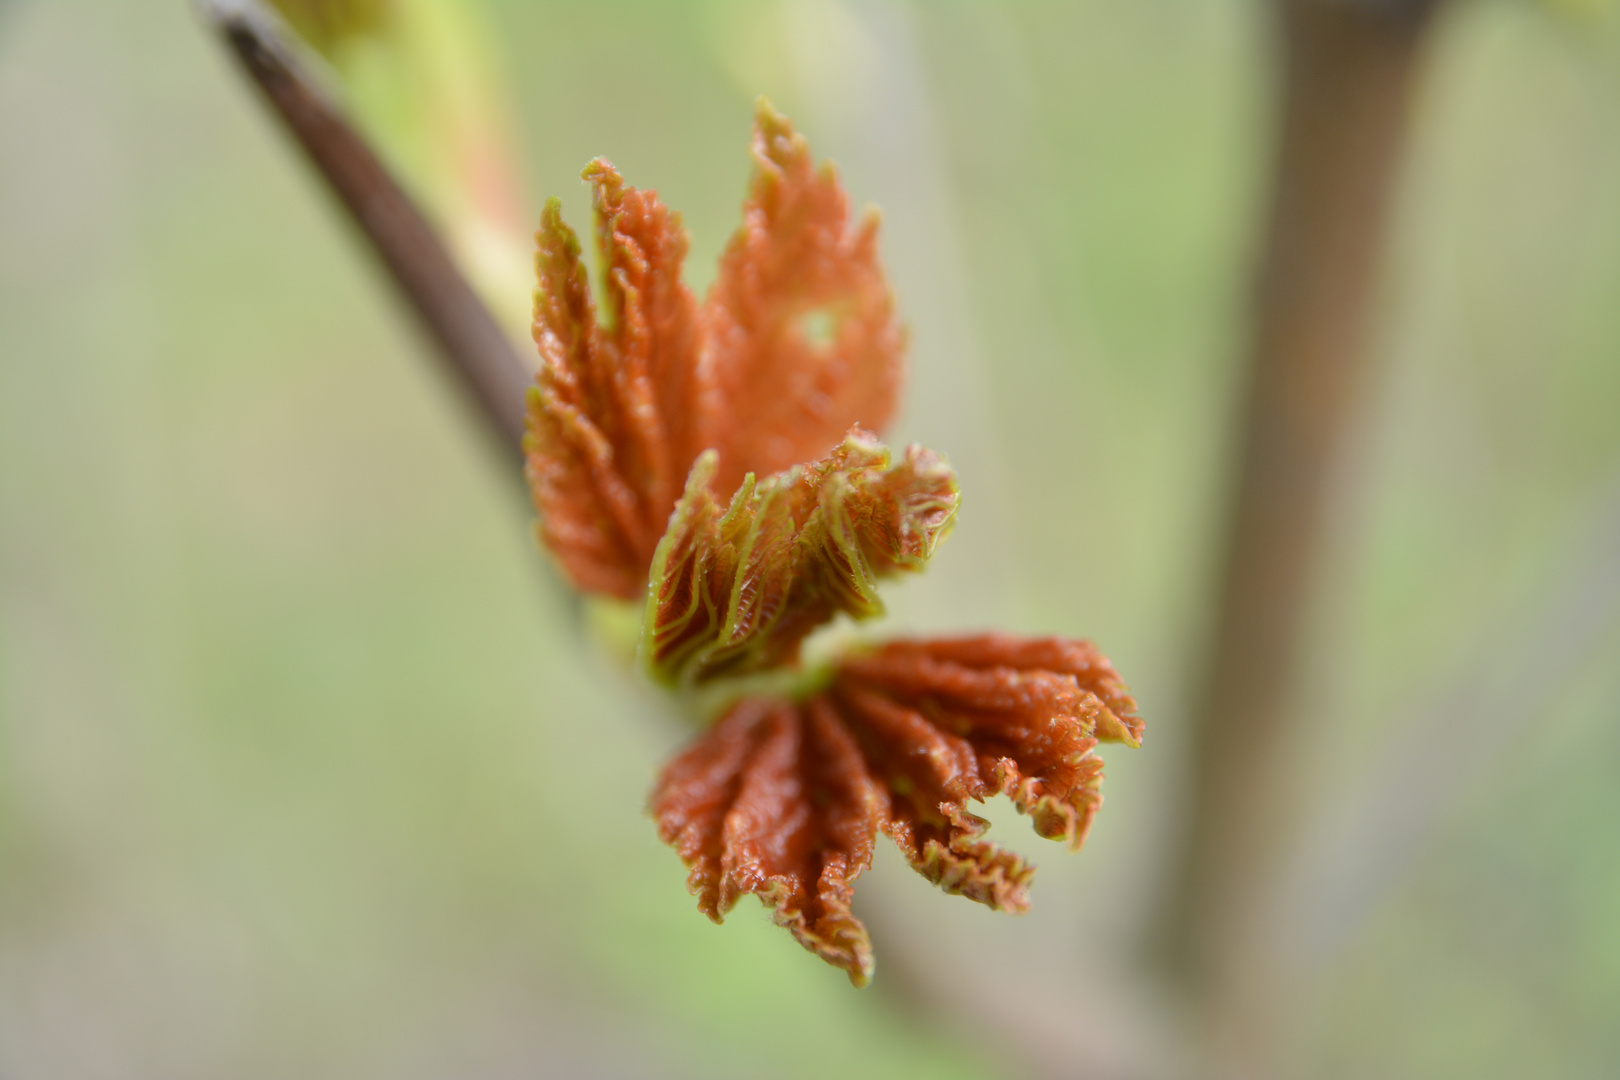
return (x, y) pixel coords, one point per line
(796, 341)
(784, 799)
(689, 454)
(997, 714)
(735, 589)
(610, 432)
(803, 339)
(774, 800)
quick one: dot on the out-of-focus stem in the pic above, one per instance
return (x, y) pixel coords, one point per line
(469, 340)
(1348, 75)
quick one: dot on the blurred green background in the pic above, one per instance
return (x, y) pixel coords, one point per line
(304, 770)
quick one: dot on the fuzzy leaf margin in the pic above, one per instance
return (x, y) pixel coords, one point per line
(796, 341)
(736, 589)
(803, 340)
(784, 799)
(609, 432)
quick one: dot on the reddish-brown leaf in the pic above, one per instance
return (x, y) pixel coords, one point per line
(783, 799)
(796, 342)
(1031, 709)
(612, 421)
(802, 335)
(774, 801)
(1074, 657)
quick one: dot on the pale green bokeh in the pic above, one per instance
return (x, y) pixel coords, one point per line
(304, 770)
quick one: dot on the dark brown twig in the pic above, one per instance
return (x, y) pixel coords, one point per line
(469, 339)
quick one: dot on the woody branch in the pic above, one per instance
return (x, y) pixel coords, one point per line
(468, 339)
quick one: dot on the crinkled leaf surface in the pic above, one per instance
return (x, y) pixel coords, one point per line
(796, 342)
(802, 335)
(774, 801)
(736, 589)
(610, 419)
(784, 799)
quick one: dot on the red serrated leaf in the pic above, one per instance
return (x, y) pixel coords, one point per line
(783, 799)
(803, 339)
(623, 407)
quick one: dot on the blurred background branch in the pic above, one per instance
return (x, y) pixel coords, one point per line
(1348, 71)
